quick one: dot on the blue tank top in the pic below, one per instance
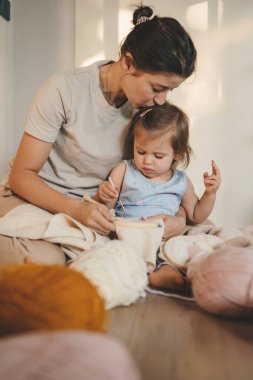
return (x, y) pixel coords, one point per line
(143, 198)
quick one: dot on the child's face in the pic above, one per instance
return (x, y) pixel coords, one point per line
(153, 153)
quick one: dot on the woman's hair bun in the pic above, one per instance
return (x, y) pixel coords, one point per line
(141, 11)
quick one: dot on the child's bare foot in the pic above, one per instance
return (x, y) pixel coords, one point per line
(167, 277)
(31, 260)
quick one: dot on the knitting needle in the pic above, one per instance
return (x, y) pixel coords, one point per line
(111, 182)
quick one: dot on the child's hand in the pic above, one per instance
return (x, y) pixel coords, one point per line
(107, 192)
(212, 182)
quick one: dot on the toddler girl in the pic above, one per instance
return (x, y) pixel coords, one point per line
(148, 184)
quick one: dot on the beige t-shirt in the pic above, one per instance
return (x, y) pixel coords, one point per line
(71, 112)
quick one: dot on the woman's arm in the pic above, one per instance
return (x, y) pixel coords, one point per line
(173, 225)
(24, 181)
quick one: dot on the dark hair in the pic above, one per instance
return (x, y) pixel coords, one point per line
(159, 44)
(162, 118)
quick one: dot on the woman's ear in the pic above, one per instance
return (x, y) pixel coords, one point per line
(127, 61)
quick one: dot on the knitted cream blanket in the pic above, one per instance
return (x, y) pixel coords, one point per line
(34, 223)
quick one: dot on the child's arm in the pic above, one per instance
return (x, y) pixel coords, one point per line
(196, 209)
(107, 194)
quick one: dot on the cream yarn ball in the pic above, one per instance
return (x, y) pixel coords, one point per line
(117, 270)
(223, 283)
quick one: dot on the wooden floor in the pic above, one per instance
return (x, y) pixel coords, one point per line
(172, 339)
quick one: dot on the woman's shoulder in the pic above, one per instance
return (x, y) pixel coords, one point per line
(91, 69)
(76, 75)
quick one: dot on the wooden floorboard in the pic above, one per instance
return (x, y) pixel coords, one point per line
(174, 339)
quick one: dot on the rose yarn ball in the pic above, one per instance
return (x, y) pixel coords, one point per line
(223, 283)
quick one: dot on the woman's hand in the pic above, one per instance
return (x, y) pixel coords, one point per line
(96, 217)
(173, 225)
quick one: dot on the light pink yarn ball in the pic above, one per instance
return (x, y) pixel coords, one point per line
(223, 283)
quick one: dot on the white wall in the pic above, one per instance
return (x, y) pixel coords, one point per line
(96, 30)
(54, 35)
(37, 41)
(219, 104)
(5, 92)
(43, 40)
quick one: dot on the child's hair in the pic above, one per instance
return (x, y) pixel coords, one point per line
(162, 118)
(159, 44)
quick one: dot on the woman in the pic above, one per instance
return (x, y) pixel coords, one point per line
(75, 130)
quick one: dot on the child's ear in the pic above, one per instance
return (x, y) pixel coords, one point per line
(177, 156)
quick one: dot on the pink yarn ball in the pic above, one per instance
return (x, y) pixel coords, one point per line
(223, 283)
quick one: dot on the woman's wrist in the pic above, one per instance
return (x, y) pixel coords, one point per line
(73, 207)
(174, 225)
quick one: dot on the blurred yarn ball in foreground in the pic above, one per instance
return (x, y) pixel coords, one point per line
(43, 297)
(223, 283)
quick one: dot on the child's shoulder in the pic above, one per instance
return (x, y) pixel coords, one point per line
(180, 174)
(129, 164)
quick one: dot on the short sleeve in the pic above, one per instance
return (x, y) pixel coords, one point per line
(49, 109)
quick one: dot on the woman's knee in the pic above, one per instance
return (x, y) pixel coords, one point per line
(14, 250)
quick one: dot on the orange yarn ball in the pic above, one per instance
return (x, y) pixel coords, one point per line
(42, 297)
(223, 283)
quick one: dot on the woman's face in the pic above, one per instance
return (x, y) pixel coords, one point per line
(146, 89)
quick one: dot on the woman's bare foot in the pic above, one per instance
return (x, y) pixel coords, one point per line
(31, 260)
(169, 278)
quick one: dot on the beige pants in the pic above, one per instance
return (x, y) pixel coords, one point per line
(14, 250)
